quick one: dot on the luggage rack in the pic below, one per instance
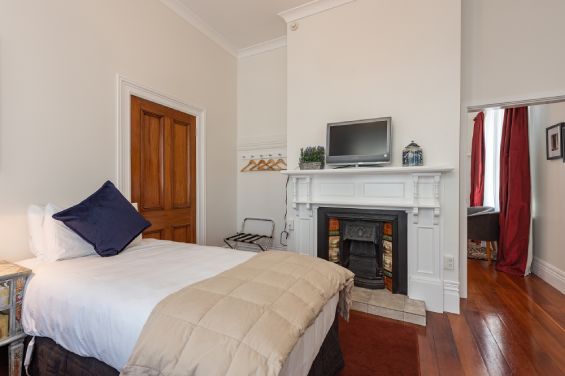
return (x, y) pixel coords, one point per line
(263, 242)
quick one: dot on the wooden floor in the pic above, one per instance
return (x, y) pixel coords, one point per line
(508, 326)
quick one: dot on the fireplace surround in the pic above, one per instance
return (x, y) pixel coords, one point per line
(415, 191)
(361, 244)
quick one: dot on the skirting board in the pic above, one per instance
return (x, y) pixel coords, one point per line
(451, 296)
(440, 296)
(550, 274)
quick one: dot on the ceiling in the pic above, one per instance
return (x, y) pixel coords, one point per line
(243, 23)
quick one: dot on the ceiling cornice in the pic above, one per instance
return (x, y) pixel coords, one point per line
(311, 8)
(188, 15)
(262, 47)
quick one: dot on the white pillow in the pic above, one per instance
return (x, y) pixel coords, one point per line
(60, 241)
(35, 216)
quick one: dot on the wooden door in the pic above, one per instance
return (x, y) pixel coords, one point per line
(163, 170)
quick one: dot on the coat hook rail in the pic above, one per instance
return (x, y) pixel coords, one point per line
(264, 162)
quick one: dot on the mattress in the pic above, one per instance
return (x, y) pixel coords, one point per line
(96, 307)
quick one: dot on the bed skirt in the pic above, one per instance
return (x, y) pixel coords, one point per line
(50, 359)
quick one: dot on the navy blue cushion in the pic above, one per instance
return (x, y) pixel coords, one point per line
(106, 220)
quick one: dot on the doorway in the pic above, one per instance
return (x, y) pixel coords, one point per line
(546, 179)
(163, 169)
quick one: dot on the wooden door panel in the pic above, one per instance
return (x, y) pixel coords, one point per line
(169, 218)
(163, 164)
(158, 234)
(152, 174)
(181, 165)
(181, 233)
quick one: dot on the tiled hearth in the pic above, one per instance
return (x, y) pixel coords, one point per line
(393, 306)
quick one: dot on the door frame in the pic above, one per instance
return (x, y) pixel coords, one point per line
(125, 89)
(465, 170)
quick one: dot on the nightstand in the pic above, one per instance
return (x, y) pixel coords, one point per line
(12, 284)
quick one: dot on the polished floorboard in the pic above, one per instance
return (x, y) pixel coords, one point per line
(508, 326)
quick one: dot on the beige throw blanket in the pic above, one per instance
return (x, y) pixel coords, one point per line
(244, 321)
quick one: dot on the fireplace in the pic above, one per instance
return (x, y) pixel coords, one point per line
(371, 243)
(410, 197)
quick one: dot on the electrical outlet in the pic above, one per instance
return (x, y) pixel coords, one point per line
(290, 224)
(449, 262)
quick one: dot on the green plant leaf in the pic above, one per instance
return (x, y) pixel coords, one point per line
(312, 154)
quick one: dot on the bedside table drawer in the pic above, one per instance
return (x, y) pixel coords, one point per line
(5, 294)
(4, 324)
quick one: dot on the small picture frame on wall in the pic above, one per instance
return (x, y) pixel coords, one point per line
(553, 142)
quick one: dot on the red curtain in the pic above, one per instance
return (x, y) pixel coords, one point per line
(515, 193)
(478, 161)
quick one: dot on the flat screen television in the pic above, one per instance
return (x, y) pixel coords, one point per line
(359, 142)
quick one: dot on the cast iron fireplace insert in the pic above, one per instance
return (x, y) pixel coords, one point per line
(363, 228)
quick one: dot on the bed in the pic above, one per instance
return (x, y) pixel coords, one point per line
(92, 309)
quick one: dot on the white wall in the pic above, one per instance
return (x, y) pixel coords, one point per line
(511, 50)
(548, 205)
(58, 66)
(261, 92)
(373, 58)
(261, 119)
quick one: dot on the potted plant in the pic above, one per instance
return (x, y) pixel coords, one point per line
(312, 158)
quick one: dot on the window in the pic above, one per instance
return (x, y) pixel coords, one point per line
(493, 136)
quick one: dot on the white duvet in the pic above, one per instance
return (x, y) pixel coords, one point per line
(96, 307)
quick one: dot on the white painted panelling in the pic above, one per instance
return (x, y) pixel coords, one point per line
(451, 296)
(431, 291)
(425, 244)
(303, 188)
(384, 190)
(304, 242)
(254, 154)
(347, 189)
(426, 191)
(257, 142)
(343, 186)
(336, 189)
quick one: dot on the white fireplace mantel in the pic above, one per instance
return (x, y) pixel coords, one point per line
(416, 190)
(370, 170)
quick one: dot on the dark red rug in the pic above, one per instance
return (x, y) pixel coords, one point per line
(370, 346)
(375, 346)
